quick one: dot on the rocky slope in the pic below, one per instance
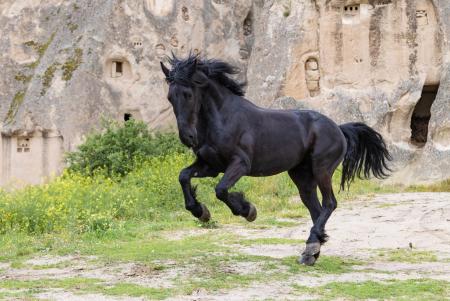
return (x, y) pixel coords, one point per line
(68, 63)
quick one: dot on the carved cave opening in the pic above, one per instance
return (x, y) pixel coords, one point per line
(312, 75)
(130, 114)
(351, 8)
(118, 66)
(23, 145)
(127, 116)
(248, 24)
(185, 13)
(421, 115)
(422, 17)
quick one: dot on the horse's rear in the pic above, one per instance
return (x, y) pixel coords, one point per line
(362, 151)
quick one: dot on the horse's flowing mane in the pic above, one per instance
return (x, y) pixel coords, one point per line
(183, 69)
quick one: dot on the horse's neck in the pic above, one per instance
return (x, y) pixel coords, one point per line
(215, 99)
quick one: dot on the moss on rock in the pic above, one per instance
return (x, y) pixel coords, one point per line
(40, 49)
(14, 106)
(20, 77)
(72, 64)
(48, 77)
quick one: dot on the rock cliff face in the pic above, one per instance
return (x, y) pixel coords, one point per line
(68, 63)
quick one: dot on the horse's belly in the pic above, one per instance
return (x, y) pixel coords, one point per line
(284, 158)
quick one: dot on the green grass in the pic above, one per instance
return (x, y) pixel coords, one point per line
(133, 290)
(151, 248)
(407, 290)
(82, 285)
(443, 186)
(213, 274)
(217, 272)
(406, 255)
(59, 265)
(270, 241)
(220, 280)
(211, 260)
(324, 265)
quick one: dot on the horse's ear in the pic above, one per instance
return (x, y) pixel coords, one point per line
(200, 79)
(164, 69)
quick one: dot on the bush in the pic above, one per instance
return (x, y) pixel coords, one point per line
(119, 147)
(79, 203)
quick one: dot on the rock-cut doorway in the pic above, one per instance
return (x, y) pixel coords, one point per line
(421, 115)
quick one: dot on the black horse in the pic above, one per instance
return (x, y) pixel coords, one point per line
(230, 134)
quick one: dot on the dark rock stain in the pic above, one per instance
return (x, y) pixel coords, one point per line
(411, 40)
(379, 2)
(339, 43)
(375, 36)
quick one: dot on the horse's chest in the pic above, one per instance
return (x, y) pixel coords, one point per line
(213, 158)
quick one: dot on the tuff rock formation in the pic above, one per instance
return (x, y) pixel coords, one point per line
(65, 64)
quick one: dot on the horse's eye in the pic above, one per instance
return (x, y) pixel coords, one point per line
(187, 95)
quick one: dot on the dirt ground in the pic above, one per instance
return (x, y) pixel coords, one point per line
(367, 230)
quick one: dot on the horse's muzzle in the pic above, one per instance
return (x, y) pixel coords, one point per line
(189, 138)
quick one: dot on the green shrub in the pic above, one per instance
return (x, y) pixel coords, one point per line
(119, 147)
(77, 203)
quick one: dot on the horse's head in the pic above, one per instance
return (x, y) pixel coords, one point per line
(186, 82)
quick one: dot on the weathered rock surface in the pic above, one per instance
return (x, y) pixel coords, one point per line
(68, 63)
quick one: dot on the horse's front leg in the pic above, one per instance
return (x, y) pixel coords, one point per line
(197, 170)
(235, 200)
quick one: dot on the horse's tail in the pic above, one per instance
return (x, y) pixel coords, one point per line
(366, 153)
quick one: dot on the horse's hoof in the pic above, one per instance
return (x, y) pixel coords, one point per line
(312, 248)
(311, 253)
(252, 213)
(206, 216)
(307, 260)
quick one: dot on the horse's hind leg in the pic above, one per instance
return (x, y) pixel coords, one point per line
(318, 236)
(304, 180)
(323, 168)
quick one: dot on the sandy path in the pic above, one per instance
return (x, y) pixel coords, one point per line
(357, 230)
(382, 222)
